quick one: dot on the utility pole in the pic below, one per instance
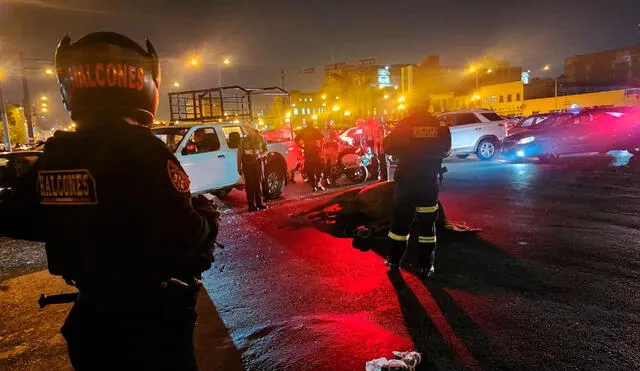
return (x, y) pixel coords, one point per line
(5, 121)
(26, 103)
(556, 92)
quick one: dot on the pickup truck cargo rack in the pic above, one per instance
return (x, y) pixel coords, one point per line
(217, 104)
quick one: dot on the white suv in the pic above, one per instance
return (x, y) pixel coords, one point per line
(475, 131)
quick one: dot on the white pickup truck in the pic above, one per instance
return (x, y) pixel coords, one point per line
(208, 153)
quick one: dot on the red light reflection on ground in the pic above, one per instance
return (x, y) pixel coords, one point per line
(440, 321)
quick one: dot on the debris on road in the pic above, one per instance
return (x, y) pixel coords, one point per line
(403, 361)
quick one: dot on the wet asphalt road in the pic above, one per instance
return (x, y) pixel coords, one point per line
(551, 282)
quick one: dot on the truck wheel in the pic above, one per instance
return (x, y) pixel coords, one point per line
(486, 149)
(275, 181)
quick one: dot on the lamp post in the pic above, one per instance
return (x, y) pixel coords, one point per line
(5, 121)
(28, 111)
(475, 71)
(547, 68)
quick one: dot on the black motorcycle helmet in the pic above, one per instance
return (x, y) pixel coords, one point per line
(106, 74)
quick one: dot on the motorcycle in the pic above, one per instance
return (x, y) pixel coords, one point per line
(353, 162)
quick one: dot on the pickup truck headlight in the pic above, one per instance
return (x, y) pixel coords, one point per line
(526, 140)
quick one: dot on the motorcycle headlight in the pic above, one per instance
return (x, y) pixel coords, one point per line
(526, 140)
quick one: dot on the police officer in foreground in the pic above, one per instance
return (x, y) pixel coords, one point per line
(419, 142)
(251, 153)
(112, 205)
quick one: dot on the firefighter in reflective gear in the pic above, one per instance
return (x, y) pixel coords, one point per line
(113, 206)
(251, 153)
(419, 143)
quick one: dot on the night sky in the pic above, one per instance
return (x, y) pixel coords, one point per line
(263, 36)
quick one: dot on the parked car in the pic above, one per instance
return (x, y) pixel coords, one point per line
(477, 132)
(13, 165)
(208, 154)
(528, 122)
(591, 130)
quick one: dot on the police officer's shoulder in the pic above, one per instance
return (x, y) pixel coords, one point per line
(157, 162)
(59, 139)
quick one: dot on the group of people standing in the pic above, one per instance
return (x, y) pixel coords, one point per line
(317, 161)
(320, 150)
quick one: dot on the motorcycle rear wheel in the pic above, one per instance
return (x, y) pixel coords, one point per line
(357, 175)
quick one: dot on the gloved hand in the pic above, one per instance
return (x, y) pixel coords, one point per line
(209, 211)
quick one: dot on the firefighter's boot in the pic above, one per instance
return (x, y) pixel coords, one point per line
(395, 254)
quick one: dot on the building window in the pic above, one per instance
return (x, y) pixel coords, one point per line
(502, 99)
(310, 99)
(486, 100)
(509, 98)
(518, 97)
(295, 112)
(493, 99)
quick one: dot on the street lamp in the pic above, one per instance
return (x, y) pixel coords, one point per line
(176, 84)
(44, 98)
(195, 62)
(489, 70)
(49, 72)
(336, 108)
(347, 113)
(546, 68)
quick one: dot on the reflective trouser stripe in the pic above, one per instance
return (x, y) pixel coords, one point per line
(427, 209)
(422, 239)
(397, 237)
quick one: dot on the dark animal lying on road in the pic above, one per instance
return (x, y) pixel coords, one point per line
(366, 213)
